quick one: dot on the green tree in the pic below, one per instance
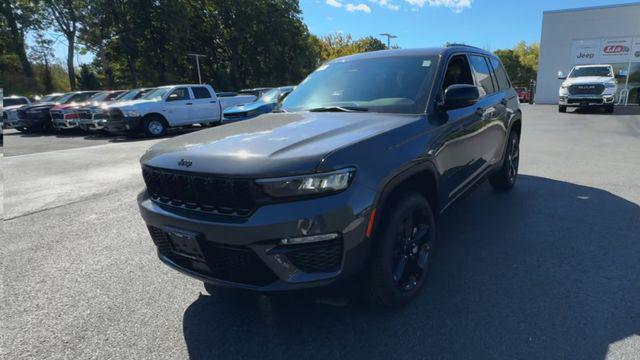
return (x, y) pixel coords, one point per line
(67, 16)
(521, 62)
(87, 79)
(19, 16)
(42, 52)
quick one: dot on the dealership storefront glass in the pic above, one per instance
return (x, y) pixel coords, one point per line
(622, 53)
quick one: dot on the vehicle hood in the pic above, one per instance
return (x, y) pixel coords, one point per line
(14, 107)
(245, 107)
(588, 80)
(39, 107)
(131, 104)
(67, 106)
(271, 145)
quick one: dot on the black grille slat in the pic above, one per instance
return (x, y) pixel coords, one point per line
(586, 89)
(56, 115)
(320, 257)
(201, 192)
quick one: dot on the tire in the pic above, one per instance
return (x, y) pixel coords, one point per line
(505, 178)
(22, 129)
(154, 126)
(405, 244)
(562, 108)
(608, 109)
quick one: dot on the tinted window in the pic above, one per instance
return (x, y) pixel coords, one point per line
(483, 74)
(458, 72)
(389, 85)
(13, 101)
(179, 94)
(501, 75)
(201, 92)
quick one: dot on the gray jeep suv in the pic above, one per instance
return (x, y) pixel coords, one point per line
(347, 177)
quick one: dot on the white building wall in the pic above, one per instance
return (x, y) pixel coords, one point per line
(561, 28)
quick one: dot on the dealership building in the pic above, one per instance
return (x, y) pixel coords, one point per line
(594, 35)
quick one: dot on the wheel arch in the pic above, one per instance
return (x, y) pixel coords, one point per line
(421, 178)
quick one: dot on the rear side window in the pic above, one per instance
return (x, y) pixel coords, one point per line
(501, 75)
(483, 74)
(201, 92)
(14, 101)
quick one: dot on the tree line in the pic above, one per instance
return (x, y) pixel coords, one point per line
(136, 43)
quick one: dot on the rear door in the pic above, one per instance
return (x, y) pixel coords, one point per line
(177, 106)
(205, 107)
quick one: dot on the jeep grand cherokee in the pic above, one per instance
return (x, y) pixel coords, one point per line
(346, 178)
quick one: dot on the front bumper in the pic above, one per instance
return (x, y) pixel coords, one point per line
(586, 100)
(92, 124)
(251, 246)
(123, 124)
(65, 124)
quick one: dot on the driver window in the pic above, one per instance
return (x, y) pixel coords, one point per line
(458, 72)
(179, 94)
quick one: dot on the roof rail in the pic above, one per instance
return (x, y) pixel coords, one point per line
(465, 45)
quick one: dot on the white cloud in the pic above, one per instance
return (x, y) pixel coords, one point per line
(334, 3)
(455, 5)
(359, 7)
(386, 4)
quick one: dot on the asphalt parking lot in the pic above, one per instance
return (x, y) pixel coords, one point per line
(549, 270)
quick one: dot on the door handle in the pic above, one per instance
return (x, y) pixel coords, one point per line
(189, 103)
(212, 101)
(504, 101)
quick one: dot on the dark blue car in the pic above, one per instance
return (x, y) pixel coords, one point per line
(265, 104)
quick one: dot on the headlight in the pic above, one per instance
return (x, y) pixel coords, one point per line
(563, 86)
(131, 113)
(610, 84)
(308, 184)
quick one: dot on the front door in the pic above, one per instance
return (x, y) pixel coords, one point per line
(177, 107)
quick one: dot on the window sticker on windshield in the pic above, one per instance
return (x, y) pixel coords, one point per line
(426, 63)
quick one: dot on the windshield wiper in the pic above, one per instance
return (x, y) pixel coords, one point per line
(338, 109)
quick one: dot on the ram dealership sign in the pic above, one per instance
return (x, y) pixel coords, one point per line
(609, 51)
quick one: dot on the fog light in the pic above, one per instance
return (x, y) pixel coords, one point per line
(309, 239)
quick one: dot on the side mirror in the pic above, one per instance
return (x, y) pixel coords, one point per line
(173, 97)
(458, 96)
(283, 95)
(562, 76)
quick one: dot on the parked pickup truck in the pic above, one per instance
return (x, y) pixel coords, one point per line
(65, 117)
(588, 86)
(170, 106)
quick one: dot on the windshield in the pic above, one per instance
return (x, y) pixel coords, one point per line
(388, 85)
(99, 96)
(591, 71)
(156, 94)
(13, 101)
(49, 98)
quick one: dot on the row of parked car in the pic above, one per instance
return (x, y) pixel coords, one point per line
(151, 111)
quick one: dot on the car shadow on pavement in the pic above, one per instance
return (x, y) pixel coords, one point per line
(548, 270)
(619, 110)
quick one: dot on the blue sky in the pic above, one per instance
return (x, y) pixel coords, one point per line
(492, 24)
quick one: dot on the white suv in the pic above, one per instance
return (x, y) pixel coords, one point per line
(588, 85)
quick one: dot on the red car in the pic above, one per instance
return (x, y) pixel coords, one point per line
(523, 94)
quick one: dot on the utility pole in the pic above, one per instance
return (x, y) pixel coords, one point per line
(198, 56)
(389, 37)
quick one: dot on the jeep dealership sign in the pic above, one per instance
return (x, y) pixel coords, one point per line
(609, 51)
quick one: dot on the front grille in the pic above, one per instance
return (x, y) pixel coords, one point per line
(4, 116)
(56, 115)
(591, 101)
(237, 264)
(202, 192)
(320, 257)
(84, 115)
(586, 89)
